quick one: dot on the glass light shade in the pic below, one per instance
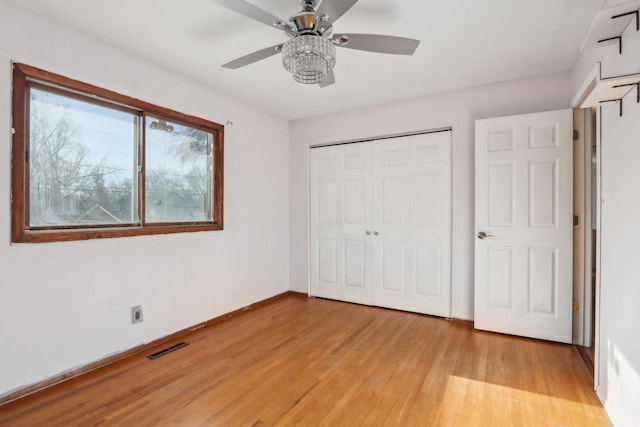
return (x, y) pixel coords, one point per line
(309, 58)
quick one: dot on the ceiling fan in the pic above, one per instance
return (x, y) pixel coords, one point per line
(310, 53)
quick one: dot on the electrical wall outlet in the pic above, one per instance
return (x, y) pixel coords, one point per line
(136, 314)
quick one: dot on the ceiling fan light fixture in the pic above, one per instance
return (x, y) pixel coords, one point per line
(310, 58)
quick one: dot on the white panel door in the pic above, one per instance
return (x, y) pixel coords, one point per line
(524, 199)
(340, 212)
(412, 223)
(380, 223)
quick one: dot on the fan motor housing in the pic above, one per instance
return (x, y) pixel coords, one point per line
(308, 23)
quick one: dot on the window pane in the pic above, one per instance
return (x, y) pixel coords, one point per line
(81, 162)
(178, 172)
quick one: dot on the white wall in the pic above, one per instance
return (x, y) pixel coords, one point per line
(619, 343)
(458, 110)
(63, 305)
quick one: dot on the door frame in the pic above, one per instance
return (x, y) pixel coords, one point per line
(584, 141)
(579, 101)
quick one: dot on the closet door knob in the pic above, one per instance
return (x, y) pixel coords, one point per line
(482, 235)
(367, 232)
(375, 233)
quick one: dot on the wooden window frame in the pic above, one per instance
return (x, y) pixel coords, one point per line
(23, 77)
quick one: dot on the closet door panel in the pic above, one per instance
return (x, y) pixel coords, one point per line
(340, 209)
(412, 210)
(393, 264)
(429, 269)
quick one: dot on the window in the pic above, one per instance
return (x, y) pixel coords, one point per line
(90, 163)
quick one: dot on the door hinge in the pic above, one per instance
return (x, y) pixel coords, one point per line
(576, 305)
(576, 220)
(576, 135)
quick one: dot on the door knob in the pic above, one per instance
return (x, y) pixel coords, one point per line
(367, 232)
(482, 235)
(375, 233)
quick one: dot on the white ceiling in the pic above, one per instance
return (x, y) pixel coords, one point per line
(464, 43)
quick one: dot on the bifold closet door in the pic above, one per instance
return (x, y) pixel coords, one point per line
(380, 223)
(340, 211)
(412, 219)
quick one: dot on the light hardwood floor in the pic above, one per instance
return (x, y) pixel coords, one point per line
(300, 361)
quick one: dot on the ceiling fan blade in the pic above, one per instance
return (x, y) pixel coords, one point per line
(378, 43)
(329, 80)
(334, 9)
(247, 9)
(253, 57)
